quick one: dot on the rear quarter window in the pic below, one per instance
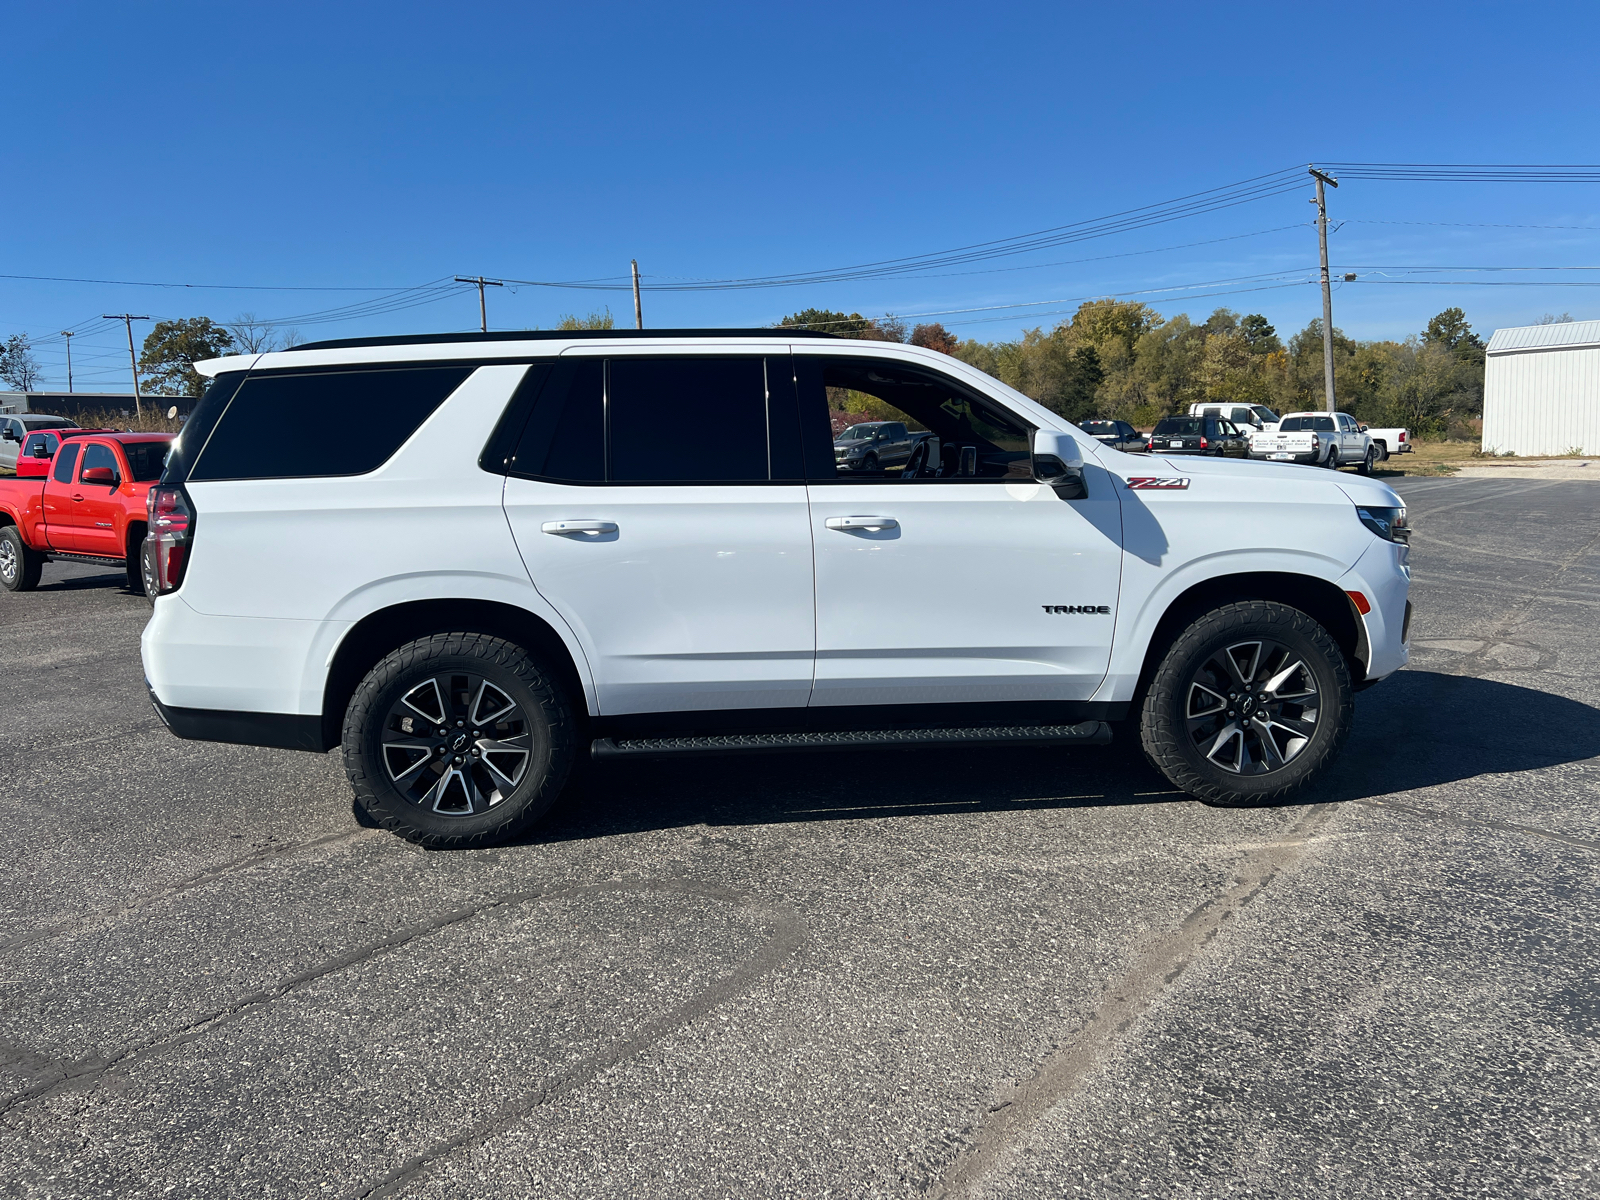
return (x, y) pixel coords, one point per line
(311, 424)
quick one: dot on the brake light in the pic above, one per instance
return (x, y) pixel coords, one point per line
(169, 534)
(1204, 443)
(1402, 435)
(1315, 443)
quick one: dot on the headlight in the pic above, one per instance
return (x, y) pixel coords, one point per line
(1387, 523)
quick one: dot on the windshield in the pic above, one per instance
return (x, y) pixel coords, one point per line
(1306, 425)
(1263, 412)
(57, 423)
(1099, 427)
(857, 433)
(1185, 426)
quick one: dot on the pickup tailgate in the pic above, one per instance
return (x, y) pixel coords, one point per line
(1286, 444)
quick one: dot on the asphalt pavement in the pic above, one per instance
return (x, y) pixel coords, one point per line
(1008, 973)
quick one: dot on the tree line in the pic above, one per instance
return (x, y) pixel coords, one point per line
(1123, 360)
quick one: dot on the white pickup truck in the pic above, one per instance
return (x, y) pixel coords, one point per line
(523, 549)
(1389, 441)
(1316, 439)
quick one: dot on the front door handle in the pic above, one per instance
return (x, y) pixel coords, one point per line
(872, 523)
(582, 528)
(78, 499)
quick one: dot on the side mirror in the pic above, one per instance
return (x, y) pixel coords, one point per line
(7, 434)
(42, 450)
(1058, 462)
(1363, 428)
(101, 475)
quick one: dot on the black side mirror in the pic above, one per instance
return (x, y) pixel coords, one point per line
(1058, 463)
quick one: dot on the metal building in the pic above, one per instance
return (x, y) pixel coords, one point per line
(1541, 389)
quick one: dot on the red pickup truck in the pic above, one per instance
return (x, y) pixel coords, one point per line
(40, 446)
(89, 508)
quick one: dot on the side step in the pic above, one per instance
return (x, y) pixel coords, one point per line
(1085, 733)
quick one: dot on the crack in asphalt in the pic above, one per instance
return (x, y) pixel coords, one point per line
(1128, 998)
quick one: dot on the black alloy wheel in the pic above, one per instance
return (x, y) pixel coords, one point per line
(1248, 706)
(457, 739)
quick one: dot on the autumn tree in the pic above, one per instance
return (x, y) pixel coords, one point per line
(166, 364)
(934, 336)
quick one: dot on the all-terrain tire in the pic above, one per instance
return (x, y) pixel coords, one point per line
(1164, 720)
(133, 562)
(20, 566)
(507, 667)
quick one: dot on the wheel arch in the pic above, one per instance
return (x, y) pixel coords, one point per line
(375, 635)
(1320, 599)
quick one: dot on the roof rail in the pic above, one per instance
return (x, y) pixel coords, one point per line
(529, 335)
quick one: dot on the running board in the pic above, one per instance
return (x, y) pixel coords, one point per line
(1085, 733)
(88, 560)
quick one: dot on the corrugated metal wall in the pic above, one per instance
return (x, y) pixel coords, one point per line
(1542, 402)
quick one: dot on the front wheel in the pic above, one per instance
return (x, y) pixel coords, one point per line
(1248, 706)
(20, 566)
(458, 740)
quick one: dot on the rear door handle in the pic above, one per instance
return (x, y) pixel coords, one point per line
(872, 523)
(581, 528)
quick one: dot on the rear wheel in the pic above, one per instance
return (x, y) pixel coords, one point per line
(20, 566)
(133, 561)
(1248, 706)
(1332, 462)
(1366, 463)
(457, 740)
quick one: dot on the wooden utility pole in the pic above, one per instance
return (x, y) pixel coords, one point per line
(1327, 287)
(638, 311)
(67, 333)
(483, 305)
(128, 319)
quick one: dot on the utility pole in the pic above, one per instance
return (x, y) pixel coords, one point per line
(483, 307)
(67, 333)
(638, 312)
(128, 319)
(1327, 288)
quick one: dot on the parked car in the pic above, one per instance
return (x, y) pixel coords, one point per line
(1119, 435)
(515, 554)
(871, 446)
(1248, 417)
(90, 508)
(1318, 439)
(40, 446)
(14, 428)
(1198, 435)
(1389, 441)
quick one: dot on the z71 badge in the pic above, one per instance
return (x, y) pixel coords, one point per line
(1157, 483)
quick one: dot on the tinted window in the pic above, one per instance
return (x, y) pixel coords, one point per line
(145, 459)
(98, 454)
(187, 445)
(687, 420)
(65, 461)
(1306, 425)
(47, 423)
(1181, 426)
(563, 435)
(835, 390)
(285, 426)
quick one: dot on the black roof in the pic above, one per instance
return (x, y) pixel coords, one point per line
(528, 335)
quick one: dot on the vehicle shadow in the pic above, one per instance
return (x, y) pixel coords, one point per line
(1418, 729)
(79, 583)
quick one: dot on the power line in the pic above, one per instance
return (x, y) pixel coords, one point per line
(1472, 172)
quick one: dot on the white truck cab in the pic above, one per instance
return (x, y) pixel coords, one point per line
(521, 548)
(1248, 417)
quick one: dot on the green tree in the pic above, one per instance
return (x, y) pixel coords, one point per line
(595, 320)
(1261, 336)
(888, 328)
(18, 367)
(166, 364)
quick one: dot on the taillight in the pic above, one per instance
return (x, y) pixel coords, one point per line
(170, 532)
(1204, 443)
(1402, 435)
(1315, 443)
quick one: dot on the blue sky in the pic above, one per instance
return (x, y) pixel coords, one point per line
(390, 146)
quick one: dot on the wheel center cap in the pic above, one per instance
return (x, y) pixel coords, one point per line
(458, 742)
(1247, 705)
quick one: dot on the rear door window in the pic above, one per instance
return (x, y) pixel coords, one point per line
(687, 420)
(307, 424)
(563, 435)
(65, 461)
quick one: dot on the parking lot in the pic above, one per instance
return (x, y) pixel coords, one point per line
(958, 973)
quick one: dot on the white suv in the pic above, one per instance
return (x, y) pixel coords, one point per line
(484, 555)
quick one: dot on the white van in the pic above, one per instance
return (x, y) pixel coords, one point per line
(1248, 417)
